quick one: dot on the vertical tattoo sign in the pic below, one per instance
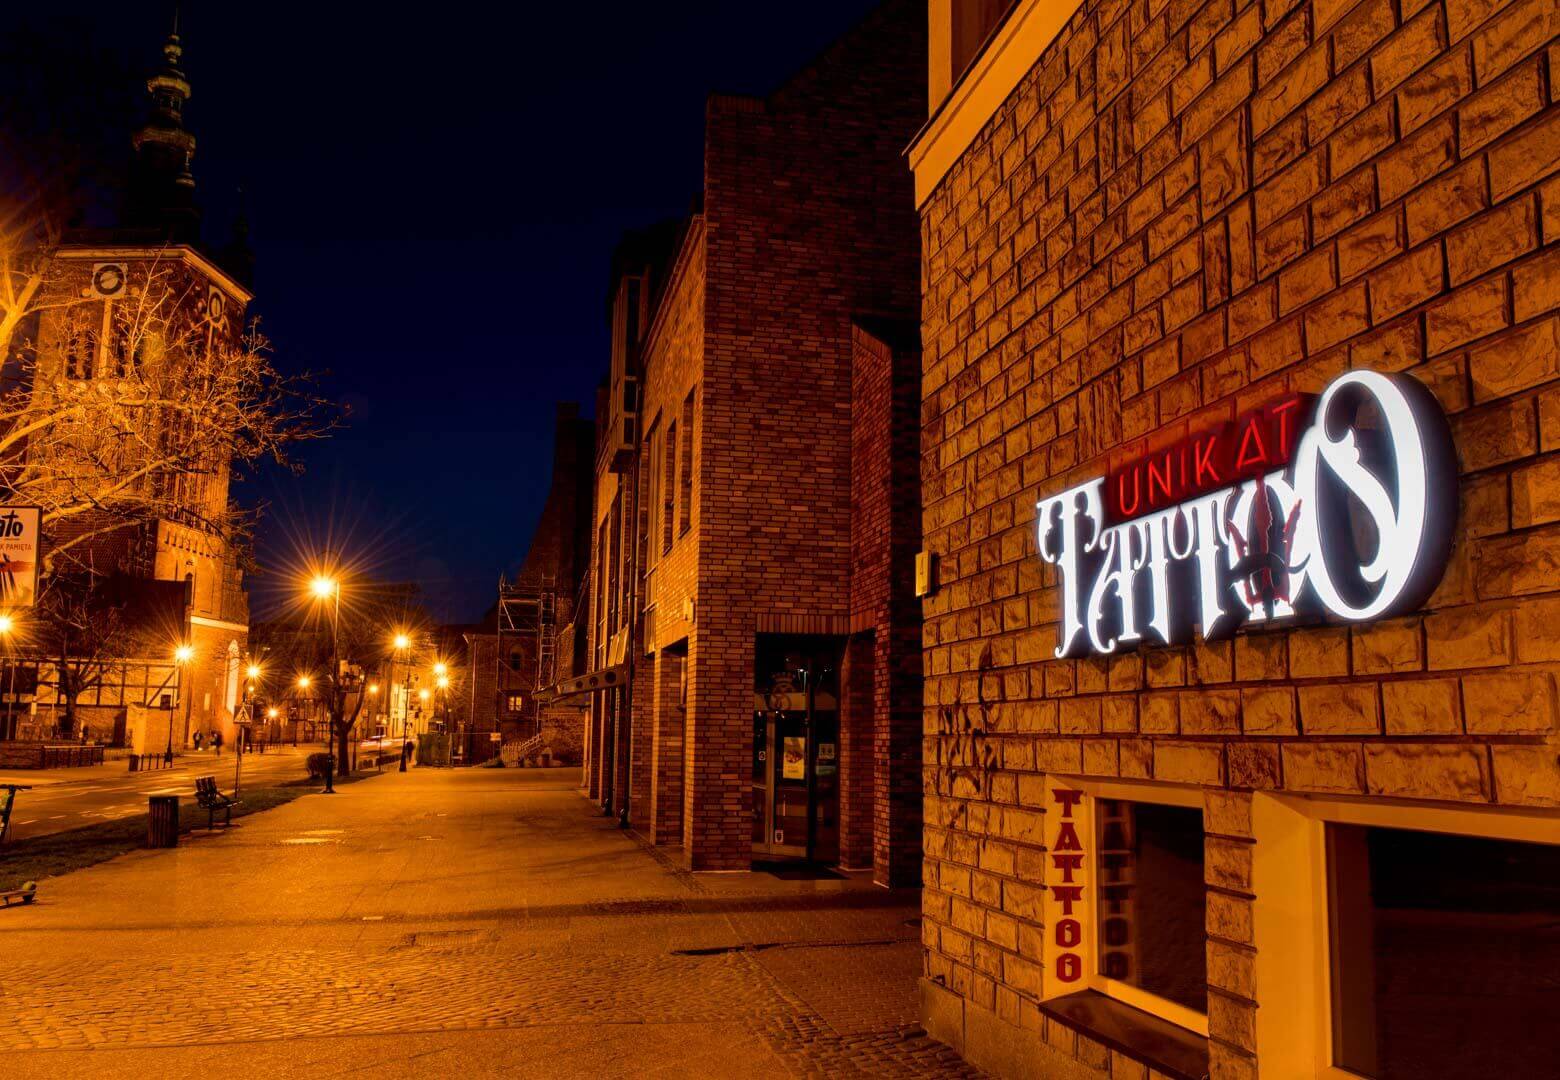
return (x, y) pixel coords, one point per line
(1068, 899)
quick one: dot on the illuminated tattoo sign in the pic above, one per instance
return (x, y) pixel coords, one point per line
(1344, 506)
(1067, 884)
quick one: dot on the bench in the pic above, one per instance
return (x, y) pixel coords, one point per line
(25, 895)
(211, 800)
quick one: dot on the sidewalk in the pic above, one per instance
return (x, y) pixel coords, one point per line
(483, 921)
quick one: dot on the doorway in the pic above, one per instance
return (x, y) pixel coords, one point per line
(796, 726)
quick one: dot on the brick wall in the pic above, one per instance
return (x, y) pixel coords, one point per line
(809, 224)
(884, 716)
(1185, 209)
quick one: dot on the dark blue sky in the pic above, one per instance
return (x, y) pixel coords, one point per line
(433, 202)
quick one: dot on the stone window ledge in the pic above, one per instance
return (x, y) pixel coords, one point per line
(1172, 1050)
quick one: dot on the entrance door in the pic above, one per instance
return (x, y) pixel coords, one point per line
(796, 749)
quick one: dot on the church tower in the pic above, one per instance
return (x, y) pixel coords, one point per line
(162, 188)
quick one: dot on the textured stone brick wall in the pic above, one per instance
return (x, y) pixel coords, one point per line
(1185, 209)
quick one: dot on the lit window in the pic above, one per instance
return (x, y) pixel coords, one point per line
(1151, 900)
(515, 702)
(1444, 953)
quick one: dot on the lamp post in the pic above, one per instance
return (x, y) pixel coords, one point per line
(326, 588)
(303, 684)
(181, 656)
(247, 730)
(7, 625)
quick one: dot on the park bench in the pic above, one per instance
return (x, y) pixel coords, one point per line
(211, 800)
(25, 895)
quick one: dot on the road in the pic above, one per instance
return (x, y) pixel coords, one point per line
(70, 798)
(444, 922)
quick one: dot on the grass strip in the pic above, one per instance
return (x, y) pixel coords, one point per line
(40, 857)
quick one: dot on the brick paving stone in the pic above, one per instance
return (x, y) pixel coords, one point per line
(526, 912)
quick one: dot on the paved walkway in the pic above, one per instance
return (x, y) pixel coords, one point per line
(479, 921)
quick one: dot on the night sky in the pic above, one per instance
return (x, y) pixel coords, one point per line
(433, 202)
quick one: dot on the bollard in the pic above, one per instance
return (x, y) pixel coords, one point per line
(162, 821)
(135, 762)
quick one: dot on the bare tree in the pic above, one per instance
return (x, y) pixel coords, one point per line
(82, 632)
(134, 409)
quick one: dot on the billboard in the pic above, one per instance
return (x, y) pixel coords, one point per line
(21, 549)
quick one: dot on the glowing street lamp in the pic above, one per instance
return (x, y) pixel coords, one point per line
(182, 655)
(7, 625)
(328, 588)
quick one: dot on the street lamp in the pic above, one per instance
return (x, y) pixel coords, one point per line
(400, 643)
(246, 732)
(7, 625)
(181, 656)
(328, 588)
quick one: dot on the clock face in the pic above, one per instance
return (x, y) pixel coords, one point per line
(108, 279)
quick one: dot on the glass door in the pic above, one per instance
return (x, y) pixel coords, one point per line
(795, 779)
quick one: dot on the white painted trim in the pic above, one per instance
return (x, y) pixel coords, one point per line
(1290, 915)
(218, 624)
(1010, 54)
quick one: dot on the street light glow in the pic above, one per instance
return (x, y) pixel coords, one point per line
(323, 587)
(6, 624)
(303, 682)
(422, 695)
(440, 670)
(402, 641)
(254, 671)
(271, 713)
(444, 682)
(184, 654)
(373, 688)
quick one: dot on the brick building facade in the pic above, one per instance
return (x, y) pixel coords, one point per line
(756, 512)
(1249, 855)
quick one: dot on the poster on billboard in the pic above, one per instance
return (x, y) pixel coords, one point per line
(21, 547)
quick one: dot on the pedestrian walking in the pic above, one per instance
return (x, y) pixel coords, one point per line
(216, 742)
(197, 740)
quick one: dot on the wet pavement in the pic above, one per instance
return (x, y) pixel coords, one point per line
(482, 921)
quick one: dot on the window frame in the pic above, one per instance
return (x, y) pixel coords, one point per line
(1291, 918)
(685, 465)
(1095, 789)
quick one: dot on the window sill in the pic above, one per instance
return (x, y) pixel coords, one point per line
(1172, 1050)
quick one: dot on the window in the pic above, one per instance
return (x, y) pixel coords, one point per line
(668, 486)
(1151, 900)
(514, 702)
(1125, 900)
(81, 346)
(1429, 917)
(1443, 953)
(973, 22)
(685, 470)
(651, 501)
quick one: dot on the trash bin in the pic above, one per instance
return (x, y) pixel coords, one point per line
(162, 821)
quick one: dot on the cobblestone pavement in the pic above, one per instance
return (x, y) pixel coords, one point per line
(480, 921)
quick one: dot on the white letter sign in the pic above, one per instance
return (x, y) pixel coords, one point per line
(1351, 514)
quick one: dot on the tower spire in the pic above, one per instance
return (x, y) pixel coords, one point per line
(162, 190)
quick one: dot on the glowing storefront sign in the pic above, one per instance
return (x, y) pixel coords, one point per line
(1355, 520)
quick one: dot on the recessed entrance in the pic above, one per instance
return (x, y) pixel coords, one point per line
(796, 747)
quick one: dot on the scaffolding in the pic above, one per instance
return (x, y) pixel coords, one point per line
(527, 640)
